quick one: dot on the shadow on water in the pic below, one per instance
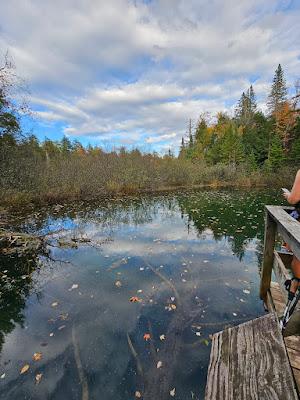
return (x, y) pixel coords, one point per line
(190, 260)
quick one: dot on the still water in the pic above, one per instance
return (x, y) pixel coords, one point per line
(124, 304)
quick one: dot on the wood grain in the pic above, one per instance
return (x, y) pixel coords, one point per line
(287, 227)
(250, 362)
(269, 241)
(281, 273)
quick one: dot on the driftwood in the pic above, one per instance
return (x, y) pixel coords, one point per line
(18, 244)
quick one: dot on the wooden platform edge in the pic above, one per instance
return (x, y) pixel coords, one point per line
(271, 374)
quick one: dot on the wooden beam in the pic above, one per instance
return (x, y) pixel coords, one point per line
(270, 232)
(287, 227)
(281, 273)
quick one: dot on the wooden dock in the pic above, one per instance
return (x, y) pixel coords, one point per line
(249, 362)
(255, 360)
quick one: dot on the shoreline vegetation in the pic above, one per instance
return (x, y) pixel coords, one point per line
(48, 188)
(249, 149)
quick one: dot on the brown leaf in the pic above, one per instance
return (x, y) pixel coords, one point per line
(24, 369)
(135, 299)
(138, 394)
(147, 336)
(37, 356)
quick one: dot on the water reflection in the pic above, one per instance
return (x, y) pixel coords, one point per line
(191, 261)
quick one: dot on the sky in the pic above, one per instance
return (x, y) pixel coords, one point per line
(132, 72)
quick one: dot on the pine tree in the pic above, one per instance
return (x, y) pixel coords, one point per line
(246, 107)
(191, 139)
(278, 93)
(252, 99)
(276, 154)
(201, 130)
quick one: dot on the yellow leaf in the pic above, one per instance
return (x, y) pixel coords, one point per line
(37, 356)
(24, 369)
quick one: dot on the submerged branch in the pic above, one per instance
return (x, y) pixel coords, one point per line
(135, 355)
(82, 377)
(167, 281)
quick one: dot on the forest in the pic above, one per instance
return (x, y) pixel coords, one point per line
(267, 141)
(250, 148)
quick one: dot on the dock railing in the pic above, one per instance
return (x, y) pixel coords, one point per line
(278, 221)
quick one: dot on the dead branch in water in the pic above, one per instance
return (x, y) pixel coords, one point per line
(82, 377)
(135, 355)
(167, 281)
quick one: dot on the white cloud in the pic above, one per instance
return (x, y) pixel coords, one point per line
(137, 71)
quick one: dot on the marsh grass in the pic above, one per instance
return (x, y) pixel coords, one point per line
(29, 178)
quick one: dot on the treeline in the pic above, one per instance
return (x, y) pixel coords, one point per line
(261, 141)
(229, 152)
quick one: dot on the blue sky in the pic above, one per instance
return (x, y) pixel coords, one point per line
(131, 73)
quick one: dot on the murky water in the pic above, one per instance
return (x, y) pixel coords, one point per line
(188, 261)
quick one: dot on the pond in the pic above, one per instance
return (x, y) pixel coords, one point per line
(125, 303)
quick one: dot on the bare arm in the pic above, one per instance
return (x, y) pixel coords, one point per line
(294, 196)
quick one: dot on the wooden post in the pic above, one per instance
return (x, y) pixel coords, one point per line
(270, 232)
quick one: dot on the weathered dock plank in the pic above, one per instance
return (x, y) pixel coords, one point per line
(276, 304)
(250, 362)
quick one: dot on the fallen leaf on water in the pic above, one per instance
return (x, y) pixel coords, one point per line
(54, 304)
(138, 394)
(74, 286)
(37, 356)
(24, 369)
(147, 336)
(38, 378)
(172, 298)
(135, 299)
(172, 392)
(2, 376)
(118, 283)
(63, 317)
(173, 306)
(205, 341)
(162, 337)
(159, 364)
(61, 327)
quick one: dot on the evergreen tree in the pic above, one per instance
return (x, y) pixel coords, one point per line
(246, 107)
(232, 150)
(201, 131)
(252, 99)
(66, 145)
(276, 154)
(278, 93)
(191, 139)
